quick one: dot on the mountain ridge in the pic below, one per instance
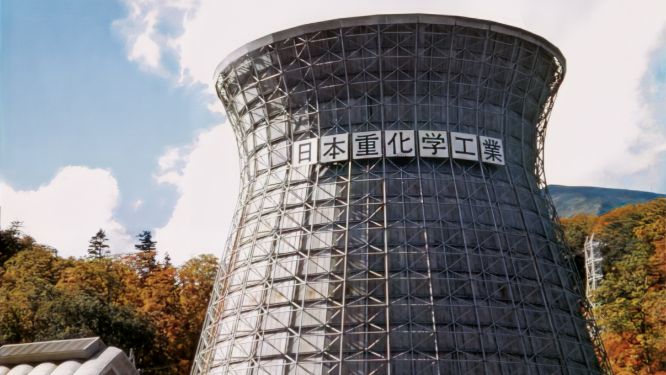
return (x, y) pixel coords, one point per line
(592, 200)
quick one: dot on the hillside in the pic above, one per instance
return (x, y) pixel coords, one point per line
(573, 200)
(630, 301)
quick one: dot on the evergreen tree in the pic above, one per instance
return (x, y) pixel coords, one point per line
(167, 260)
(146, 258)
(46, 297)
(146, 242)
(97, 247)
(10, 241)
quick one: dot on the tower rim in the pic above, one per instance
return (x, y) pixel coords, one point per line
(386, 19)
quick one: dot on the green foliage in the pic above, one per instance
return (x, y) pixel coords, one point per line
(26, 285)
(145, 261)
(576, 229)
(74, 315)
(157, 311)
(97, 247)
(615, 231)
(631, 299)
(623, 290)
(146, 242)
(11, 242)
(630, 303)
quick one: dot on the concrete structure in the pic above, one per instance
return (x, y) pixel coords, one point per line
(394, 262)
(88, 356)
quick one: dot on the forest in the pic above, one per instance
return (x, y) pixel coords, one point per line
(155, 310)
(135, 302)
(630, 302)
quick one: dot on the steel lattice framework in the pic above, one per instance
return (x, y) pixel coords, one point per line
(593, 260)
(404, 265)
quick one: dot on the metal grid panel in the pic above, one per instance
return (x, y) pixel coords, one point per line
(406, 265)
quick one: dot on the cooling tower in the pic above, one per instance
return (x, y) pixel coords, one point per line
(392, 215)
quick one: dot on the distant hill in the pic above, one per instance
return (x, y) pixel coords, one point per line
(573, 200)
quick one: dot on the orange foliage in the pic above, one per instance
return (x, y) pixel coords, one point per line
(631, 300)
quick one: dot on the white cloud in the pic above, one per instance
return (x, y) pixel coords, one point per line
(145, 50)
(601, 132)
(214, 28)
(149, 27)
(137, 204)
(170, 165)
(217, 28)
(606, 43)
(69, 210)
(205, 174)
(600, 123)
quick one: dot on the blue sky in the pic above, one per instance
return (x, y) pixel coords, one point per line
(108, 118)
(70, 96)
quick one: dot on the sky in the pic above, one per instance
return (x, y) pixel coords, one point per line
(108, 117)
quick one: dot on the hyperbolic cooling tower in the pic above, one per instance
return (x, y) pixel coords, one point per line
(392, 217)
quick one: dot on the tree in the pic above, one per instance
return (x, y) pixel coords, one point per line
(25, 286)
(631, 303)
(146, 242)
(167, 260)
(46, 297)
(576, 229)
(159, 296)
(615, 231)
(197, 278)
(631, 299)
(74, 315)
(146, 257)
(97, 247)
(106, 279)
(12, 241)
(157, 312)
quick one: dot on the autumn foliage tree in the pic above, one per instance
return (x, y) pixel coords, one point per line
(197, 278)
(157, 309)
(630, 303)
(132, 302)
(577, 228)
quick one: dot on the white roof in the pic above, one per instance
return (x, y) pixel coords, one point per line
(87, 356)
